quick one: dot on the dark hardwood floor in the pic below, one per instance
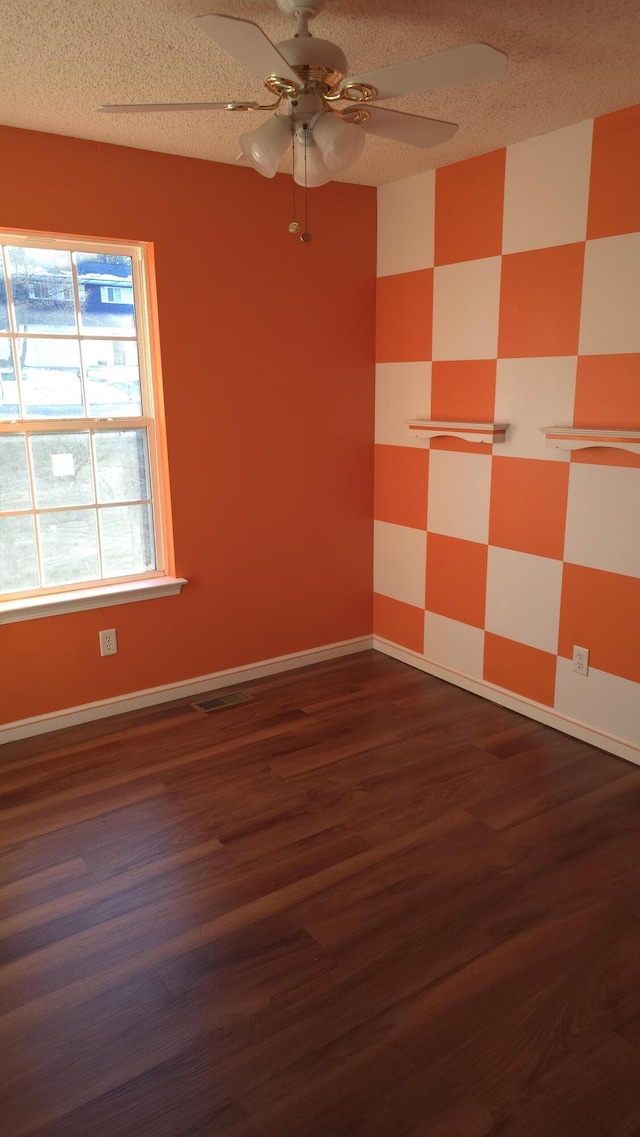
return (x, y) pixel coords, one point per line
(366, 903)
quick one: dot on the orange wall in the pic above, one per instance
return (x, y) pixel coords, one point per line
(267, 357)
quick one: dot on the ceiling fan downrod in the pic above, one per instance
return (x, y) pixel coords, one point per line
(302, 11)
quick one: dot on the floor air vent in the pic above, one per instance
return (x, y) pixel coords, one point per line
(230, 700)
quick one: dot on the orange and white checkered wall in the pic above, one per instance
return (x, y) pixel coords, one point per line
(509, 291)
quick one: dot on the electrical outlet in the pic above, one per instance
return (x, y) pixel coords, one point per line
(108, 642)
(581, 660)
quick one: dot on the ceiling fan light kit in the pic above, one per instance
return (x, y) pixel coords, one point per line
(263, 148)
(328, 115)
(309, 169)
(340, 142)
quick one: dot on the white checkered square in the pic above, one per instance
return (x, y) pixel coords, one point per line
(523, 598)
(406, 224)
(603, 518)
(403, 391)
(546, 192)
(610, 316)
(453, 644)
(532, 394)
(399, 562)
(466, 306)
(459, 494)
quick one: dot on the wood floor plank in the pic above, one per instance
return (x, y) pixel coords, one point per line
(597, 1093)
(22, 822)
(44, 887)
(365, 904)
(464, 1119)
(90, 892)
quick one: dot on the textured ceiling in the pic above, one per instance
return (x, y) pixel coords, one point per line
(568, 60)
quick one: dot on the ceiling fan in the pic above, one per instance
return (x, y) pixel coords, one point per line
(325, 114)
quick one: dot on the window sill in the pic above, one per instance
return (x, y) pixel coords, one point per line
(102, 596)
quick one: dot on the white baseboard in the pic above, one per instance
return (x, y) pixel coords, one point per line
(621, 747)
(137, 700)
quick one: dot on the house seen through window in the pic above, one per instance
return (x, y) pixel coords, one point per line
(79, 483)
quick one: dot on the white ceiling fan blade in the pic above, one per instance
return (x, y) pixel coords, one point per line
(410, 128)
(247, 43)
(473, 63)
(146, 108)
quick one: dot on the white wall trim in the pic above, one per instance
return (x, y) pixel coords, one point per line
(136, 700)
(621, 747)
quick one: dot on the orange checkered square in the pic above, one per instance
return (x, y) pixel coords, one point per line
(468, 385)
(614, 196)
(602, 610)
(608, 392)
(540, 300)
(528, 508)
(400, 623)
(520, 668)
(469, 204)
(456, 582)
(400, 485)
(404, 317)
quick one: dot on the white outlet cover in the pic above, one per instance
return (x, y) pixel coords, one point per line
(108, 642)
(580, 660)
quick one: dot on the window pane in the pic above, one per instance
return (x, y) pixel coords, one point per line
(4, 315)
(18, 561)
(42, 288)
(121, 465)
(62, 470)
(105, 284)
(9, 406)
(69, 546)
(51, 384)
(112, 378)
(127, 540)
(14, 478)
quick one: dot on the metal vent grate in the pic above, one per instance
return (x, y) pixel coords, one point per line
(230, 700)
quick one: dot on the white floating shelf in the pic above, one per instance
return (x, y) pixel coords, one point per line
(580, 438)
(478, 432)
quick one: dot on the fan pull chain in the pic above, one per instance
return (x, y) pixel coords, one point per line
(306, 236)
(294, 226)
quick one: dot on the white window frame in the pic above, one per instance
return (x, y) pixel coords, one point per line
(30, 604)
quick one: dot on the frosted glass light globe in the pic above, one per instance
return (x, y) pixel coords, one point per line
(341, 143)
(317, 173)
(263, 148)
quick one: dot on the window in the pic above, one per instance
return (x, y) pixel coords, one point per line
(116, 295)
(49, 290)
(79, 473)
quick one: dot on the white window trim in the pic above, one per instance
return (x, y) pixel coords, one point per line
(105, 593)
(83, 599)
